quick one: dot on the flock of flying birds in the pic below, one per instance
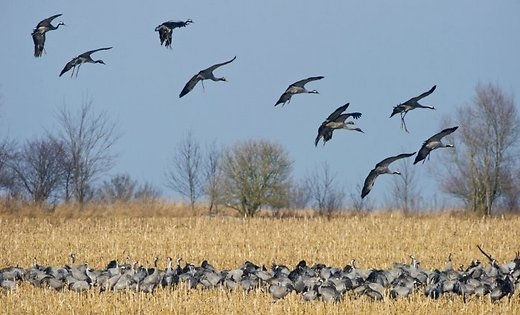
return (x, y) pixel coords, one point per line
(336, 120)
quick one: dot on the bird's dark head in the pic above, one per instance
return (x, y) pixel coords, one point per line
(358, 129)
(449, 146)
(396, 172)
(223, 79)
(101, 62)
(60, 23)
(188, 21)
(314, 92)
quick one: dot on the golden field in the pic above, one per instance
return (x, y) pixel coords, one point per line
(102, 233)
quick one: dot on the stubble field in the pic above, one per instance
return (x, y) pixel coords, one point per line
(374, 240)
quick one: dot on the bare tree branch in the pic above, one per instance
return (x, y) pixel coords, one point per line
(479, 170)
(322, 188)
(88, 138)
(185, 173)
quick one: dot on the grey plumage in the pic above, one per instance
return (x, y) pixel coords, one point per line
(434, 142)
(411, 104)
(166, 30)
(206, 74)
(38, 34)
(379, 169)
(81, 59)
(297, 88)
(336, 120)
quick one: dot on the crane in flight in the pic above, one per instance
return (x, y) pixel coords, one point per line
(411, 104)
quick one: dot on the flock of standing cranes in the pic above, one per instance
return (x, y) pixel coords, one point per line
(336, 120)
(316, 282)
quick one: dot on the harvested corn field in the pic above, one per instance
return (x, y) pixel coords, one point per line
(375, 241)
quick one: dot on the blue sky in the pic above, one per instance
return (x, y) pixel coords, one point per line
(373, 54)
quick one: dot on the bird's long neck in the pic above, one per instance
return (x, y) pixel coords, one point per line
(52, 27)
(355, 129)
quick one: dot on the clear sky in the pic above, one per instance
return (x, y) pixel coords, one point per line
(373, 54)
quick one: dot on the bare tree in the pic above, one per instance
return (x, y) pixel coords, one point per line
(7, 155)
(38, 169)
(360, 204)
(480, 169)
(212, 176)
(322, 188)
(147, 192)
(185, 172)
(88, 138)
(299, 196)
(122, 188)
(405, 194)
(255, 173)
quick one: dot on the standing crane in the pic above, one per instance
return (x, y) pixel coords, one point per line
(434, 142)
(336, 120)
(81, 59)
(206, 74)
(381, 168)
(410, 104)
(297, 88)
(38, 34)
(166, 30)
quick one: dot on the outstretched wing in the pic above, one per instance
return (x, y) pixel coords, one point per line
(322, 131)
(47, 21)
(369, 183)
(39, 43)
(423, 153)
(442, 134)
(88, 53)
(423, 95)
(425, 149)
(190, 85)
(284, 98)
(335, 114)
(176, 24)
(301, 83)
(69, 66)
(320, 135)
(343, 117)
(391, 159)
(215, 66)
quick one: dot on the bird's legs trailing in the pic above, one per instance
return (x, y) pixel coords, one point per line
(403, 122)
(77, 70)
(202, 82)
